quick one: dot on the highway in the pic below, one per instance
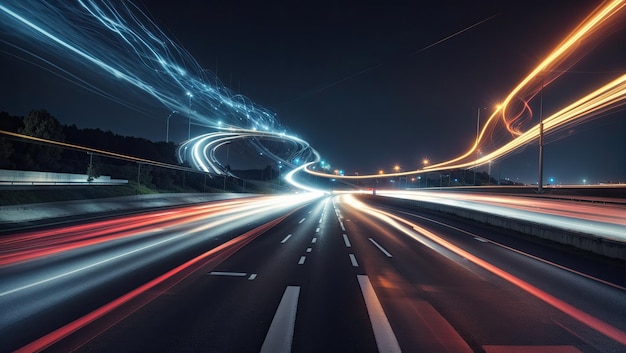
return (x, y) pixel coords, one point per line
(303, 273)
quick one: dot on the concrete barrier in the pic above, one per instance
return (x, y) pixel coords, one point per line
(595, 244)
(23, 177)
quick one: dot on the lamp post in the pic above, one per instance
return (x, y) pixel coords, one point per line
(477, 135)
(167, 128)
(189, 129)
(540, 181)
(425, 162)
(396, 168)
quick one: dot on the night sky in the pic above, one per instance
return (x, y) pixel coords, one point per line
(367, 84)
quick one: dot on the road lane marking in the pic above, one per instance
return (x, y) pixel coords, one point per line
(353, 260)
(302, 220)
(346, 241)
(302, 259)
(481, 240)
(280, 334)
(286, 238)
(385, 338)
(308, 249)
(542, 349)
(314, 240)
(342, 227)
(380, 248)
(228, 274)
(252, 276)
(317, 230)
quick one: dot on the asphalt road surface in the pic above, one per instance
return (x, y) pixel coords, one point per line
(328, 274)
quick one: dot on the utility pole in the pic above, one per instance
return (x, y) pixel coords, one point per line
(167, 128)
(540, 181)
(189, 128)
(477, 134)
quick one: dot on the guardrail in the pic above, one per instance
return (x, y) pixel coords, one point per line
(595, 244)
(24, 177)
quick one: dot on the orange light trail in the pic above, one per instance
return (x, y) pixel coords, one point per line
(581, 316)
(33, 245)
(607, 97)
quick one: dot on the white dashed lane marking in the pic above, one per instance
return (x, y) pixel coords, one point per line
(380, 248)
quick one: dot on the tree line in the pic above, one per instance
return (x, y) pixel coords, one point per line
(18, 154)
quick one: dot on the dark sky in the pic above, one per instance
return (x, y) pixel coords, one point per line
(354, 79)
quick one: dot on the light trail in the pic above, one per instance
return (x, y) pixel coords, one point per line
(117, 41)
(201, 150)
(114, 255)
(144, 294)
(17, 248)
(599, 220)
(420, 234)
(608, 97)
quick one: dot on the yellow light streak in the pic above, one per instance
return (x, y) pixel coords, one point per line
(609, 96)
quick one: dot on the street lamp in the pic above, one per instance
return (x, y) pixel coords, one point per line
(477, 135)
(167, 128)
(189, 130)
(396, 168)
(540, 181)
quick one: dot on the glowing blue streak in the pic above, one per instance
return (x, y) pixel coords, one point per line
(120, 39)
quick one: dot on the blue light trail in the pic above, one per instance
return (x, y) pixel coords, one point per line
(118, 41)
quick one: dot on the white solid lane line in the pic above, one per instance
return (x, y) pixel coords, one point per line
(385, 338)
(380, 248)
(229, 274)
(280, 334)
(286, 238)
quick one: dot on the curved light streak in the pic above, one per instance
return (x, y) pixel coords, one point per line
(607, 97)
(200, 151)
(420, 234)
(118, 41)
